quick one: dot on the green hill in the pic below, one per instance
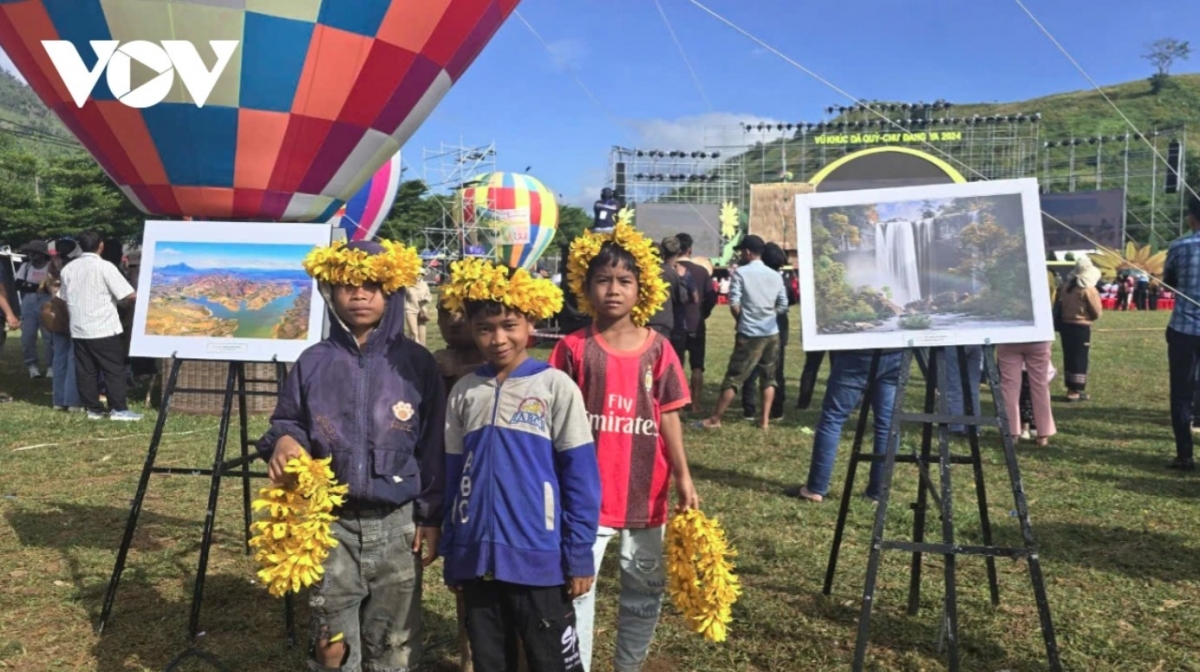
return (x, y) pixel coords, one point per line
(23, 116)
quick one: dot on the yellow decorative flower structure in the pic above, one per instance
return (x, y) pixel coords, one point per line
(700, 576)
(476, 279)
(1111, 262)
(652, 289)
(399, 266)
(729, 220)
(294, 540)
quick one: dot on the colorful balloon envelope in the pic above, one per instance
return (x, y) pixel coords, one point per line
(305, 99)
(520, 210)
(364, 213)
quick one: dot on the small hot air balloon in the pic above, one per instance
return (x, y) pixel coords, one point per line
(363, 214)
(302, 100)
(520, 210)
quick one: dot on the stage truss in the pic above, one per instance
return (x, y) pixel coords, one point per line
(979, 147)
(445, 170)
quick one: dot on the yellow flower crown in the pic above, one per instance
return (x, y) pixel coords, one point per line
(294, 540)
(477, 279)
(700, 574)
(652, 289)
(397, 267)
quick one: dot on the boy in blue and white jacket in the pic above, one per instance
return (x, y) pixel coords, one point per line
(518, 534)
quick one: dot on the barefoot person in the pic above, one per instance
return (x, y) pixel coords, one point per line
(371, 399)
(757, 296)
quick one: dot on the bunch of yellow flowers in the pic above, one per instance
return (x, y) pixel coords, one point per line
(477, 279)
(700, 574)
(397, 267)
(652, 289)
(294, 540)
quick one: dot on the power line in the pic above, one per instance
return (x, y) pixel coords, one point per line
(1053, 40)
(949, 157)
(683, 54)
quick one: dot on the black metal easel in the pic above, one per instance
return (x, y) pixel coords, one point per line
(936, 412)
(235, 386)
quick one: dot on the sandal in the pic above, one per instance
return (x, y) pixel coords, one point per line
(5, 398)
(1082, 396)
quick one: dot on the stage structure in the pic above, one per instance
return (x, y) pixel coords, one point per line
(445, 170)
(981, 146)
(1155, 199)
(682, 189)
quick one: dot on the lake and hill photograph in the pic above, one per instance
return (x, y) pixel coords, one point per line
(235, 290)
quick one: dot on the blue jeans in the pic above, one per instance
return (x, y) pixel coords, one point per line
(66, 393)
(643, 581)
(847, 383)
(31, 324)
(954, 388)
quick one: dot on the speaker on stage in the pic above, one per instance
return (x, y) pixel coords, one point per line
(620, 183)
(1173, 152)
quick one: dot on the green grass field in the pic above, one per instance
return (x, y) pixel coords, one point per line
(1117, 533)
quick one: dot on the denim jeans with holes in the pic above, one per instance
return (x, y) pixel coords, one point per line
(371, 592)
(847, 383)
(643, 581)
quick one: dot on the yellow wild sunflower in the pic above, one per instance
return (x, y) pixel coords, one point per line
(294, 539)
(1112, 263)
(700, 576)
(476, 279)
(397, 267)
(729, 220)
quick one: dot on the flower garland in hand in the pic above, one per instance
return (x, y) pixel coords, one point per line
(652, 289)
(477, 279)
(294, 540)
(700, 574)
(397, 267)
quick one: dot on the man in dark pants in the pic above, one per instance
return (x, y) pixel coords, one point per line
(775, 259)
(92, 287)
(1182, 272)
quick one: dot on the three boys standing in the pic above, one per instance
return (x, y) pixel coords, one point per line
(541, 474)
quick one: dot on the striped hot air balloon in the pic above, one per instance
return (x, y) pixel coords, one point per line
(520, 210)
(364, 213)
(311, 97)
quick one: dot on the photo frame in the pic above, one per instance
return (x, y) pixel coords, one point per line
(227, 291)
(935, 265)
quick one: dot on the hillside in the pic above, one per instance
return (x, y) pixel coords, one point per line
(23, 116)
(1082, 113)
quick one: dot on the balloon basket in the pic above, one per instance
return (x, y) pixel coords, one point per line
(205, 375)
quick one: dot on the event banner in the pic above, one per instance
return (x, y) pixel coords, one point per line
(773, 211)
(1097, 215)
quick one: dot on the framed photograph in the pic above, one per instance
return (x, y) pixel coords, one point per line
(227, 291)
(954, 264)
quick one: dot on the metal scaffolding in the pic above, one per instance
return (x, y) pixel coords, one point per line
(445, 170)
(991, 147)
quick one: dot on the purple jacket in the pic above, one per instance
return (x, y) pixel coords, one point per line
(379, 411)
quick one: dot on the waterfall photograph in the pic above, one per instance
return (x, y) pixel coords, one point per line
(944, 264)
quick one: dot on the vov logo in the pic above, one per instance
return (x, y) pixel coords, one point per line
(115, 60)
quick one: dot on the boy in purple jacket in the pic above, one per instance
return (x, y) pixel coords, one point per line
(372, 399)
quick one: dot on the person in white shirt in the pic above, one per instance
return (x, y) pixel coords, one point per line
(416, 315)
(29, 279)
(91, 288)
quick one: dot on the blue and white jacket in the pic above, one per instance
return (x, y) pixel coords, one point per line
(526, 485)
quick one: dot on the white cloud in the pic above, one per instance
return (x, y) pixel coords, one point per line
(7, 64)
(710, 130)
(568, 53)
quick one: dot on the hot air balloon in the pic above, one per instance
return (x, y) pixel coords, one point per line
(364, 213)
(306, 100)
(520, 210)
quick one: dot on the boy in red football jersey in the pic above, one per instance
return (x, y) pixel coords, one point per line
(634, 389)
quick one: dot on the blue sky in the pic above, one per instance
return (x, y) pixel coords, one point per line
(522, 96)
(230, 255)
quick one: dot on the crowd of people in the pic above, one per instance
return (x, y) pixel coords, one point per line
(76, 296)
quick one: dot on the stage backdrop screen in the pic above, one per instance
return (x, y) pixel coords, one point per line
(659, 220)
(1099, 215)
